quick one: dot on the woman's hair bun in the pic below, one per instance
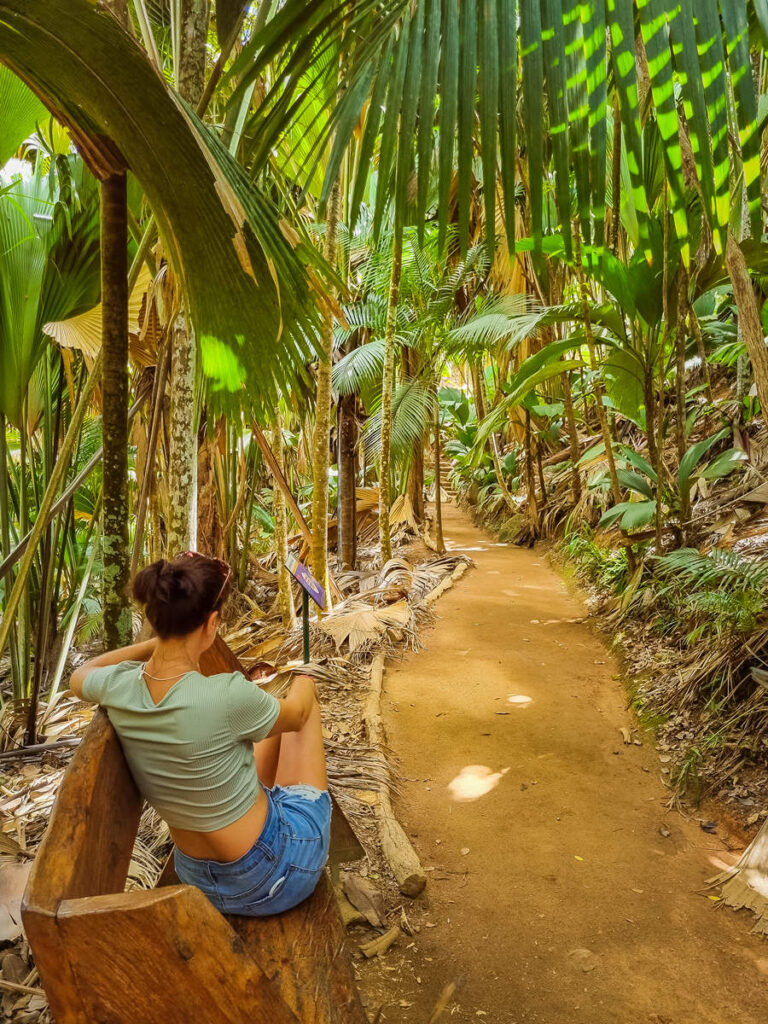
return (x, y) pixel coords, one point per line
(179, 595)
(146, 582)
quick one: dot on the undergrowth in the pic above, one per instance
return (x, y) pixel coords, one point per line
(692, 628)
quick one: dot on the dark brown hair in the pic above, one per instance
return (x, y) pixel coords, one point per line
(179, 595)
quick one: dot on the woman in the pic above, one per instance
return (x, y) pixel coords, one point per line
(238, 775)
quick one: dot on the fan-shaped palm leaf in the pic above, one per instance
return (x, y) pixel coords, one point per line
(250, 296)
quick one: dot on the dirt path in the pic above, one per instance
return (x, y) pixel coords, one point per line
(576, 900)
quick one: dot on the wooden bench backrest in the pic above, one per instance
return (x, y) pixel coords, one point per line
(167, 956)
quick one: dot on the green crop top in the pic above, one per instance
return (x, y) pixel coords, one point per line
(191, 755)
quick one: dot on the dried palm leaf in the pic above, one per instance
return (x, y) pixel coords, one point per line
(83, 332)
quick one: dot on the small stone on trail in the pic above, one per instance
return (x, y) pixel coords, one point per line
(464, 851)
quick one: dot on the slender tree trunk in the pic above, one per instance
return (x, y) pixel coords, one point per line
(478, 387)
(540, 468)
(193, 38)
(439, 540)
(114, 301)
(156, 412)
(616, 179)
(182, 440)
(595, 366)
(321, 439)
(182, 462)
(530, 483)
(387, 392)
(284, 592)
(415, 482)
(680, 433)
(573, 437)
(749, 319)
(347, 514)
(695, 329)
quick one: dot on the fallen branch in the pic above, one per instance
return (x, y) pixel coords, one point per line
(28, 990)
(381, 943)
(36, 749)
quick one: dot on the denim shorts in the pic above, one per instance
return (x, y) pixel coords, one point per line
(282, 867)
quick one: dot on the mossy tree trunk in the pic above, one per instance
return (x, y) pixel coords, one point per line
(284, 592)
(321, 438)
(347, 517)
(182, 467)
(114, 299)
(182, 440)
(387, 393)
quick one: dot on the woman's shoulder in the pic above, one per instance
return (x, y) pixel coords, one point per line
(108, 678)
(223, 680)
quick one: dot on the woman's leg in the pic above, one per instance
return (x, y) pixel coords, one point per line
(267, 754)
(302, 755)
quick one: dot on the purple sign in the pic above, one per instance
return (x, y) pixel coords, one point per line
(305, 579)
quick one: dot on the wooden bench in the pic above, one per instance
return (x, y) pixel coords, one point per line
(166, 955)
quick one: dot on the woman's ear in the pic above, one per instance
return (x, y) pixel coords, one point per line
(210, 628)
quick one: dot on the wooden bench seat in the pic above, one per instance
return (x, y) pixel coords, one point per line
(166, 955)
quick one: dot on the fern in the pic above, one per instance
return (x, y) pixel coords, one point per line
(715, 569)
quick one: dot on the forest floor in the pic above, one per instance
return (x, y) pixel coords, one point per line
(564, 889)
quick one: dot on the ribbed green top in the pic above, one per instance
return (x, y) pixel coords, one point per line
(191, 755)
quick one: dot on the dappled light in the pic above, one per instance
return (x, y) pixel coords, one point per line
(519, 700)
(474, 781)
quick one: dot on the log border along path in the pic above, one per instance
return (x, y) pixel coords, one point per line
(563, 889)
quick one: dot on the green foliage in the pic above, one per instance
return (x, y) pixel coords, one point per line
(604, 567)
(641, 480)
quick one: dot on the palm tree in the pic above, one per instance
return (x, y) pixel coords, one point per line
(114, 301)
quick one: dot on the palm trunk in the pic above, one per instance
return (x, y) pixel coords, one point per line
(530, 483)
(749, 319)
(616, 179)
(114, 301)
(682, 301)
(347, 512)
(478, 387)
(193, 37)
(573, 437)
(284, 592)
(321, 438)
(439, 541)
(595, 366)
(387, 392)
(158, 397)
(182, 461)
(182, 442)
(415, 482)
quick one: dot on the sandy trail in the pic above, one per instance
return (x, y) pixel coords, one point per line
(571, 904)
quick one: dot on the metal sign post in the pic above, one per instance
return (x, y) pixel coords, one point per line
(309, 588)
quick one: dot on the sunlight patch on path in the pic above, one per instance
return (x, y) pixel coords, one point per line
(474, 781)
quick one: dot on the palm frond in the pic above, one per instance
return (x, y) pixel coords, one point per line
(413, 405)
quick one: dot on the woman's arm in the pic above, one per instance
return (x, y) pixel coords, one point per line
(296, 706)
(136, 652)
